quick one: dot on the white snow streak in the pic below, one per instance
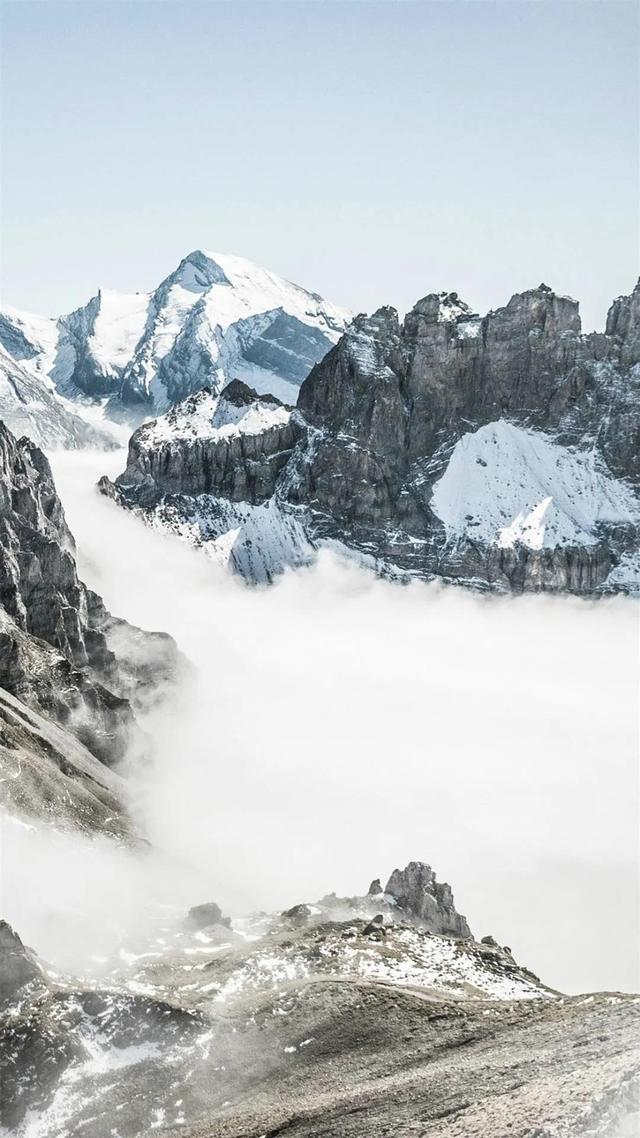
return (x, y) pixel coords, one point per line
(506, 485)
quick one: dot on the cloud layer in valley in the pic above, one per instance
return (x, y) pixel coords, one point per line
(337, 726)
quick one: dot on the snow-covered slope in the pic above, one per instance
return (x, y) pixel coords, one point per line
(505, 486)
(206, 471)
(30, 405)
(219, 317)
(29, 339)
(215, 318)
(212, 416)
(256, 541)
(119, 324)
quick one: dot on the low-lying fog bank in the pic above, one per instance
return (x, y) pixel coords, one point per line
(338, 726)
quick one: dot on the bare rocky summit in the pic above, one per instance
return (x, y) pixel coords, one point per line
(311, 1023)
(418, 895)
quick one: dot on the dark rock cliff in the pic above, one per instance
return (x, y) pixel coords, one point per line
(61, 653)
(381, 419)
(400, 390)
(241, 466)
(390, 401)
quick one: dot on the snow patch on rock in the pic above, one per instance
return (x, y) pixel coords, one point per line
(625, 576)
(211, 416)
(507, 486)
(258, 542)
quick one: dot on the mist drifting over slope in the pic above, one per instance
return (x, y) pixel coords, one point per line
(336, 726)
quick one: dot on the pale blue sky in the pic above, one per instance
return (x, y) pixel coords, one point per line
(370, 151)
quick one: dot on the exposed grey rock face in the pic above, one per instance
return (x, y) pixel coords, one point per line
(501, 452)
(335, 1024)
(390, 402)
(412, 895)
(63, 1028)
(288, 347)
(211, 469)
(45, 606)
(84, 373)
(18, 965)
(61, 653)
(425, 900)
(206, 915)
(298, 914)
(47, 773)
(240, 466)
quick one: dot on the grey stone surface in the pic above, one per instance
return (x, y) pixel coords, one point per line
(380, 415)
(424, 899)
(205, 915)
(62, 654)
(340, 1026)
(389, 402)
(240, 468)
(18, 966)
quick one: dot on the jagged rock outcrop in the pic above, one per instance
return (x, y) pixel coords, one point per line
(391, 403)
(423, 899)
(61, 653)
(209, 470)
(53, 648)
(500, 451)
(322, 1021)
(412, 895)
(18, 966)
(205, 915)
(233, 446)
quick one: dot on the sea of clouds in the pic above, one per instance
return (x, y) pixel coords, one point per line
(336, 726)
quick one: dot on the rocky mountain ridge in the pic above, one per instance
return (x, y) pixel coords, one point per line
(214, 318)
(321, 1019)
(72, 674)
(500, 452)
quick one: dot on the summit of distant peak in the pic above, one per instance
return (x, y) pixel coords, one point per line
(199, 270)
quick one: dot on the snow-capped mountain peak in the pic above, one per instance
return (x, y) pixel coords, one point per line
(198, 271)
(237, 288)
(214, 318)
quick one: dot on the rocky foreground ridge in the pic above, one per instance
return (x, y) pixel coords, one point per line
(500, 451)
(347, 1017)
(71, 674)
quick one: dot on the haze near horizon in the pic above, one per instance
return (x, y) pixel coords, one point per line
(264, 130)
